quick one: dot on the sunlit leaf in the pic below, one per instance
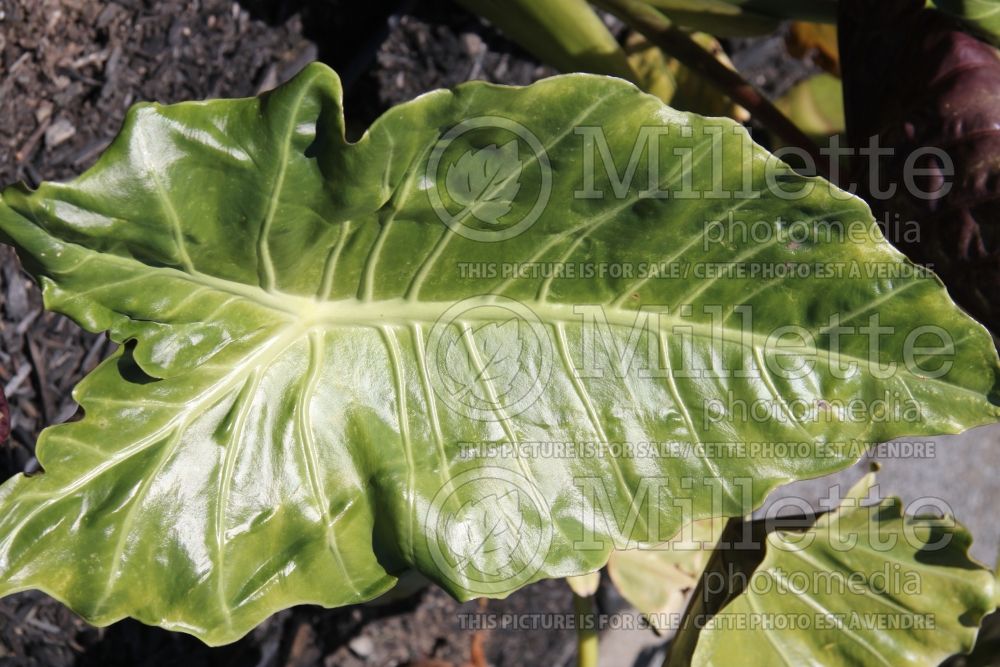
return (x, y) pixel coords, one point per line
(865, 585)
(324, 385)
(816, 106)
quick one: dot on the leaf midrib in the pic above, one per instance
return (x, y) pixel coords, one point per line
(309, 312)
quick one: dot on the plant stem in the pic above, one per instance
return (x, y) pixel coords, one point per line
(657, 28)
(586, 631)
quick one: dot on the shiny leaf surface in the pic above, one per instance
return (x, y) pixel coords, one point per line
(865, 585)
(317, 393)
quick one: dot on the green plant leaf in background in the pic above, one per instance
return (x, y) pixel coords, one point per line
(816, 105)
(718, 17)
(677, 85)
(734, 18)
(565, 34)
(865, 585)
(983, 16)
(585, 585)
(307, 352)
(657, 580)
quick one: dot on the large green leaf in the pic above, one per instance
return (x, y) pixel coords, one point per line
(865, 585)
(308, 348)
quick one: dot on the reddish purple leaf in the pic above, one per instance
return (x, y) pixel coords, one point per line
(915, 81)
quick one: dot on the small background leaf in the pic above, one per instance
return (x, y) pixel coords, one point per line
(677, 85)
(816, 106)
(982, 16)
(566, 34)
(879, 588)
(657, 581)
(585, 585)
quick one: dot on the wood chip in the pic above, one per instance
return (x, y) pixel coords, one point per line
(59, 132)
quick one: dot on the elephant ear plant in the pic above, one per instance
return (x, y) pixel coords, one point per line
(876, 586)
(505, 332)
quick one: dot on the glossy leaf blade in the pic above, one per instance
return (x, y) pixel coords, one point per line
(865, 585)
(306, 362)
